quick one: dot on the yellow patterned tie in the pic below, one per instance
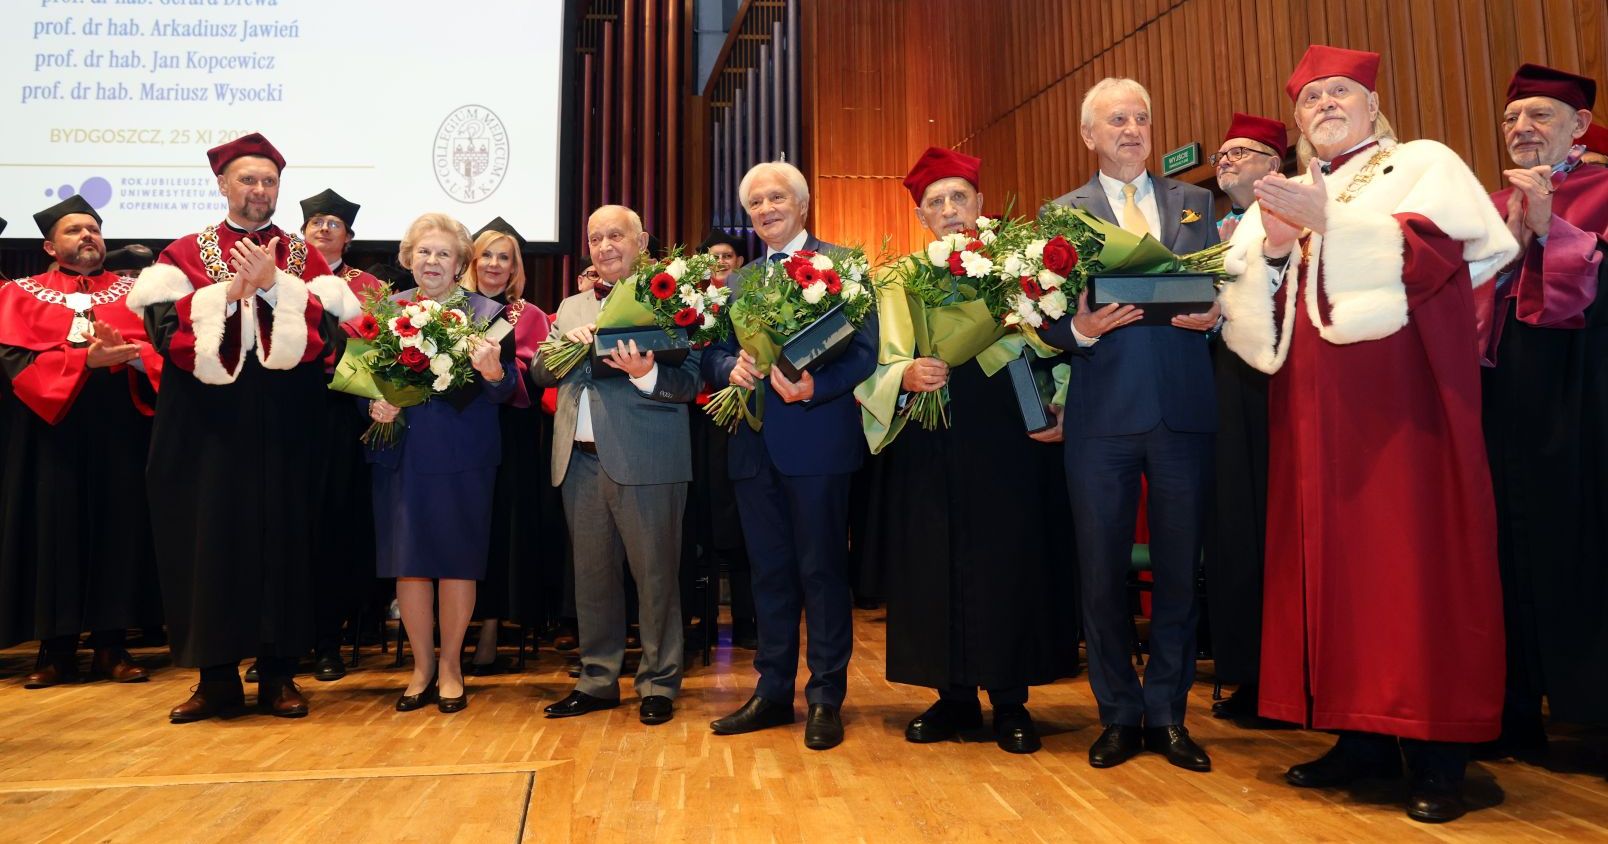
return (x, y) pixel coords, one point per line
(1132, 218)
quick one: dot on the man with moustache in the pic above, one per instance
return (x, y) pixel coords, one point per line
(792, 483)
(1354, 287)
(75, 536)
(245, 316)
(978, 593)
(621, 458)
(345, 564)
(1140, 400)
(1546, 413)
(1236, 521)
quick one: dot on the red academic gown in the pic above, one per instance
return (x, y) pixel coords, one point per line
(75, 542)
(1546, 427)
(233, 477)
(1382, 608)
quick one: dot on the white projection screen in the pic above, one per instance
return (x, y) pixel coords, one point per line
(400, 107)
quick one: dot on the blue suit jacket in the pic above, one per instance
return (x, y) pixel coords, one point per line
(819, 437)
(1138, 376)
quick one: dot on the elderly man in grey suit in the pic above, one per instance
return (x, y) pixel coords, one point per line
(622, 458)
(1140, 402)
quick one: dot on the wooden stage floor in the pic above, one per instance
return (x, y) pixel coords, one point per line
(97, 762)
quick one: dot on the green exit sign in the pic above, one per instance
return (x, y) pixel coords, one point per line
(1181, 159)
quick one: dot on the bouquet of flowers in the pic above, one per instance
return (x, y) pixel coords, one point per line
(672, 293)
(407, 351)
(1053, 268)
(780, 300)
(959, 296)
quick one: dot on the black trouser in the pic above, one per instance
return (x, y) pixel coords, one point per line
(62, 648)
(1449, 759)
(267, 666)
(997, 698)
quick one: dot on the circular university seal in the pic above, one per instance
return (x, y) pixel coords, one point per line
(470, 156)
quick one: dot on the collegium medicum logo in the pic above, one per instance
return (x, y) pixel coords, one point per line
(470, 156)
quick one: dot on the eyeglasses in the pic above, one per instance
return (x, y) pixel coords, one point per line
(1234, 155)
(332, 223)
(590, 273)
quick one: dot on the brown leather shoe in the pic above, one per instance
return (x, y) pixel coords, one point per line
(279, 697)
(209, 700)
(53, 674)
(116, 665)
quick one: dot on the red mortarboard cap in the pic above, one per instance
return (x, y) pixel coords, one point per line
(940, 163)
(1534, 80)
(1595, 139)
(252, 144)
(1321, 62)
(1260, 129)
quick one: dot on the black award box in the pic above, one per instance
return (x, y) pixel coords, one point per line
(1161, 296)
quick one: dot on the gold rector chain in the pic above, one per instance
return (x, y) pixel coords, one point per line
(212, 255)
(1365, 175)
(79, 302)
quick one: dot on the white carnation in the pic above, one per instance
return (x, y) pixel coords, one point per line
(421, 319)
(1029, 314)
(815, 292)
(441, 364)
(462, 317)
(677, 269)
(987, 236)
(821, 262)
(412, 342)
(857, 271)
(976, 265)
(1049, 280)
(938, 252)
(1035, 250)
(984, 223)
(1053, 304)
(718, 295)
(442, 382)
(851, 290)
(1014, 267)
(709, 320)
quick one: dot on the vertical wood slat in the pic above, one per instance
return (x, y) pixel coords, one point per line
(653, 136)
(628, 38)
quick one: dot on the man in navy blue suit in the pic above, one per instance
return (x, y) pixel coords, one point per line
(1140, 402)
(792, 485)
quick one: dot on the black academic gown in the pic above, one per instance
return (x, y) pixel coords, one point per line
(1546, 429)
(980, 579)
(1236, 525)
(513, 589)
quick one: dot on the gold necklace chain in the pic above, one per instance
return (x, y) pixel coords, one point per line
(212, 255)
(1365, 175)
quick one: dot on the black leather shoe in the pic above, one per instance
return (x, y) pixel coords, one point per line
(1118, 744)
(823, 727)
(656, 709)
(329, 667)
(1435, 799)
(1239, 705)
(1173, 742)
(1014, 730)
(279, 696)
(251, 674)
(757, 714)
(1337, 768)
(450, 705)
(408, 703)
(943, 721)
(578, 703)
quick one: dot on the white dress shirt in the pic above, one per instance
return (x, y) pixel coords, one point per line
(583, 414)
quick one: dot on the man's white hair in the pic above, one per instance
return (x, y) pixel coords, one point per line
(631, 216)
(1110, 85)
(789, 175)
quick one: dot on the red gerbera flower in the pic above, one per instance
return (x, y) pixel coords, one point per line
(806, 274)
(686, 317)
(1031, 288)
(663, 286)
(834, 282)
(368, 327)
(405, 327)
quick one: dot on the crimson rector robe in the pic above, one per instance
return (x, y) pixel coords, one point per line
(75, 541)
(235, 469)
(1382, 608)
(1546, 428)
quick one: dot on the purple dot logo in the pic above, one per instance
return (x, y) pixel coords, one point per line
(95, 190)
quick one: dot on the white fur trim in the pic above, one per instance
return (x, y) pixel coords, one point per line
(209, 309)
(289, 341)
(336, 296)
(158, 283)
(1367, 299)
(1252, 329)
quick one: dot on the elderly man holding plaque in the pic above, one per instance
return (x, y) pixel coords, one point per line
(1140, 402)
(792, 484)
(1546, 412)
(978, 595)
(622, 457)
(1354, 288)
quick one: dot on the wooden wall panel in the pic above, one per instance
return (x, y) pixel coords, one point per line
(1005, 81)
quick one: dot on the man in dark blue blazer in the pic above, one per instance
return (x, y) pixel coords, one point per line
(1141, 402)
(792, 484)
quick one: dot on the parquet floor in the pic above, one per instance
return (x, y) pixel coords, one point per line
(97, 762)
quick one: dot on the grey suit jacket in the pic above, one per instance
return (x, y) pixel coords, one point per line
(1173, 198)
(640, 439)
